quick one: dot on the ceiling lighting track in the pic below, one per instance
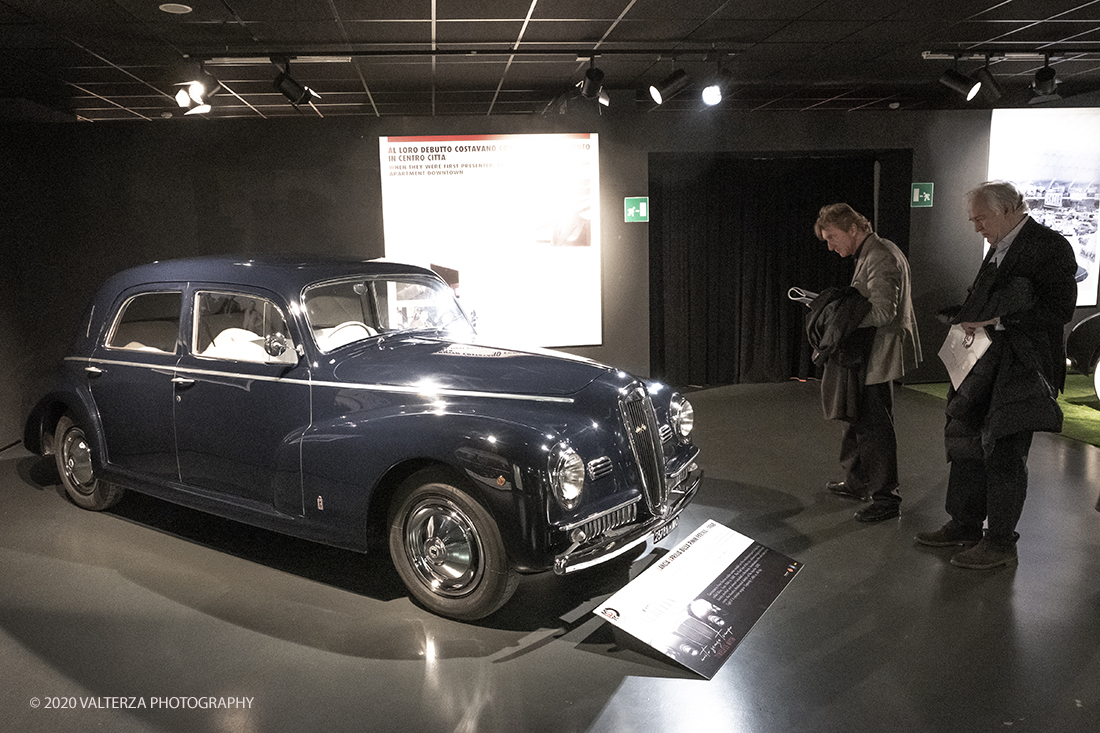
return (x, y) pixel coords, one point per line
(250, 58)
(265, 60)
(977, 53)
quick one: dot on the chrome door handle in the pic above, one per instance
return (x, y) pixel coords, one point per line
(182, 381)
(92, 371)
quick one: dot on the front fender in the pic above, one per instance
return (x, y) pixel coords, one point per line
(351, 466)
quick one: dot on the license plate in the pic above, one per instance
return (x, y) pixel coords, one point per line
(661, 532)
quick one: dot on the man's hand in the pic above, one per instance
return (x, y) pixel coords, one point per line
(971, 328)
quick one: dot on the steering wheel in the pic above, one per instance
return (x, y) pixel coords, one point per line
(332, 340)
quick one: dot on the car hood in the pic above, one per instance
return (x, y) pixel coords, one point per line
(416, 362)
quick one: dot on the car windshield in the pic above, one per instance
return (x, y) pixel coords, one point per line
(343, 312)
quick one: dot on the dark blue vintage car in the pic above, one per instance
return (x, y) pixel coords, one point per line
(346, 401)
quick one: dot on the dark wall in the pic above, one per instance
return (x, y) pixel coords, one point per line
(80, 201)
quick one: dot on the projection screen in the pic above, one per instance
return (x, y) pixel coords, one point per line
(511, 221)
(1053, 155)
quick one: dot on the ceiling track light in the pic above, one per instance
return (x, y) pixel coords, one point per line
(194, 96)
(1044, 84)
(961, 83)
(592, 83)
(718, 86)
(296, 92)
(669, 86)
(990, 87)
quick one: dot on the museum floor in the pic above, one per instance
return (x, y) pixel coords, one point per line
(153, 605)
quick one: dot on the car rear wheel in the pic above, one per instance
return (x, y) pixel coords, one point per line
(1096, 378)
(73, 454)
(447, 549)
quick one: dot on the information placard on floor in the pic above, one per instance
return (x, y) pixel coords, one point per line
(699, 601)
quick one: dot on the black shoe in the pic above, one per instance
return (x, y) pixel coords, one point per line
(840, 488)
(879, 511)
(950, 535)
(986, 555)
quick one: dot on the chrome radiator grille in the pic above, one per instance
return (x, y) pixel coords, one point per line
(645, 442)
(618, 518)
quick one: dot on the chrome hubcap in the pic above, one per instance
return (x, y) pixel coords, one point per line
(77, 458)
(443, 547)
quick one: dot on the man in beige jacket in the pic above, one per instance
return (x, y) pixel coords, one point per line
(868, 451)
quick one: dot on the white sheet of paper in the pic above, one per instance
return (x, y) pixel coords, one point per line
(960, 353)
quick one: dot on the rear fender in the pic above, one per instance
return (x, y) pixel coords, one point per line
(39, 428)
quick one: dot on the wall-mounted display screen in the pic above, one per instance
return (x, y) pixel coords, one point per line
(511, 221)
(1053, 156)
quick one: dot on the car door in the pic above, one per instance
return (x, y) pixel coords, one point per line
(130, 379)
(240, 411)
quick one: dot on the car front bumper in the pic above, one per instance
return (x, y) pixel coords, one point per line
(617, 541)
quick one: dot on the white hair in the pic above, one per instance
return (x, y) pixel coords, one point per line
(1000, 196)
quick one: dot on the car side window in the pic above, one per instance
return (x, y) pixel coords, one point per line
(239, 327)
(148, 322)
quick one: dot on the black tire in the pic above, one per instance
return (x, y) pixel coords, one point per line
(73, 453)
(447, 548)
(1096, 378)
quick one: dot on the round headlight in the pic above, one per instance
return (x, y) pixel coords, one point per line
(682, 415)
(566, 475)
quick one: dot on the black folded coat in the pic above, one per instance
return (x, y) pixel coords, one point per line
(841, 347)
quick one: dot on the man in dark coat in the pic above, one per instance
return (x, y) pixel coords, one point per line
(1023, 296)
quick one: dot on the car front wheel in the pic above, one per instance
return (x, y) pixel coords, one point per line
(448, 550)
(73, 454)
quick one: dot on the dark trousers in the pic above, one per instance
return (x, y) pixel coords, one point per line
(869, 448)
(994, 487)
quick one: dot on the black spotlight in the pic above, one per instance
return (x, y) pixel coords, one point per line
(669, 86)
(990, 87)
(961, 83)
(592, 83)
(294, 90)
(1044, 83)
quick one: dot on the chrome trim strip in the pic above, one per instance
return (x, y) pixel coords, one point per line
(604, 558)
(113, 362)
(428, 393)
(433, 392)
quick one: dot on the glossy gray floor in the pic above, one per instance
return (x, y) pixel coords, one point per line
(149, 604)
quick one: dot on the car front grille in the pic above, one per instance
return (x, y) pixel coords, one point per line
(642, 432)
(610, 520)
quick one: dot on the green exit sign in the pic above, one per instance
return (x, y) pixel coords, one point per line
(636, 208)
(921, 196)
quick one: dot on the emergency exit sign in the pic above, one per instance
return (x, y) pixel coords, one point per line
(921, 197)
(636, 208)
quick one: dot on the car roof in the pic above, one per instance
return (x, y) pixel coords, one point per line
(287, 274)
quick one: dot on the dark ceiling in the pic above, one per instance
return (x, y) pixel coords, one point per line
(122, 59)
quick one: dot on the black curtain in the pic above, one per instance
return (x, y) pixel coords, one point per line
(730, 235)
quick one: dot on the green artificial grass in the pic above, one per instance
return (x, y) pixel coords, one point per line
(1078, 402)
